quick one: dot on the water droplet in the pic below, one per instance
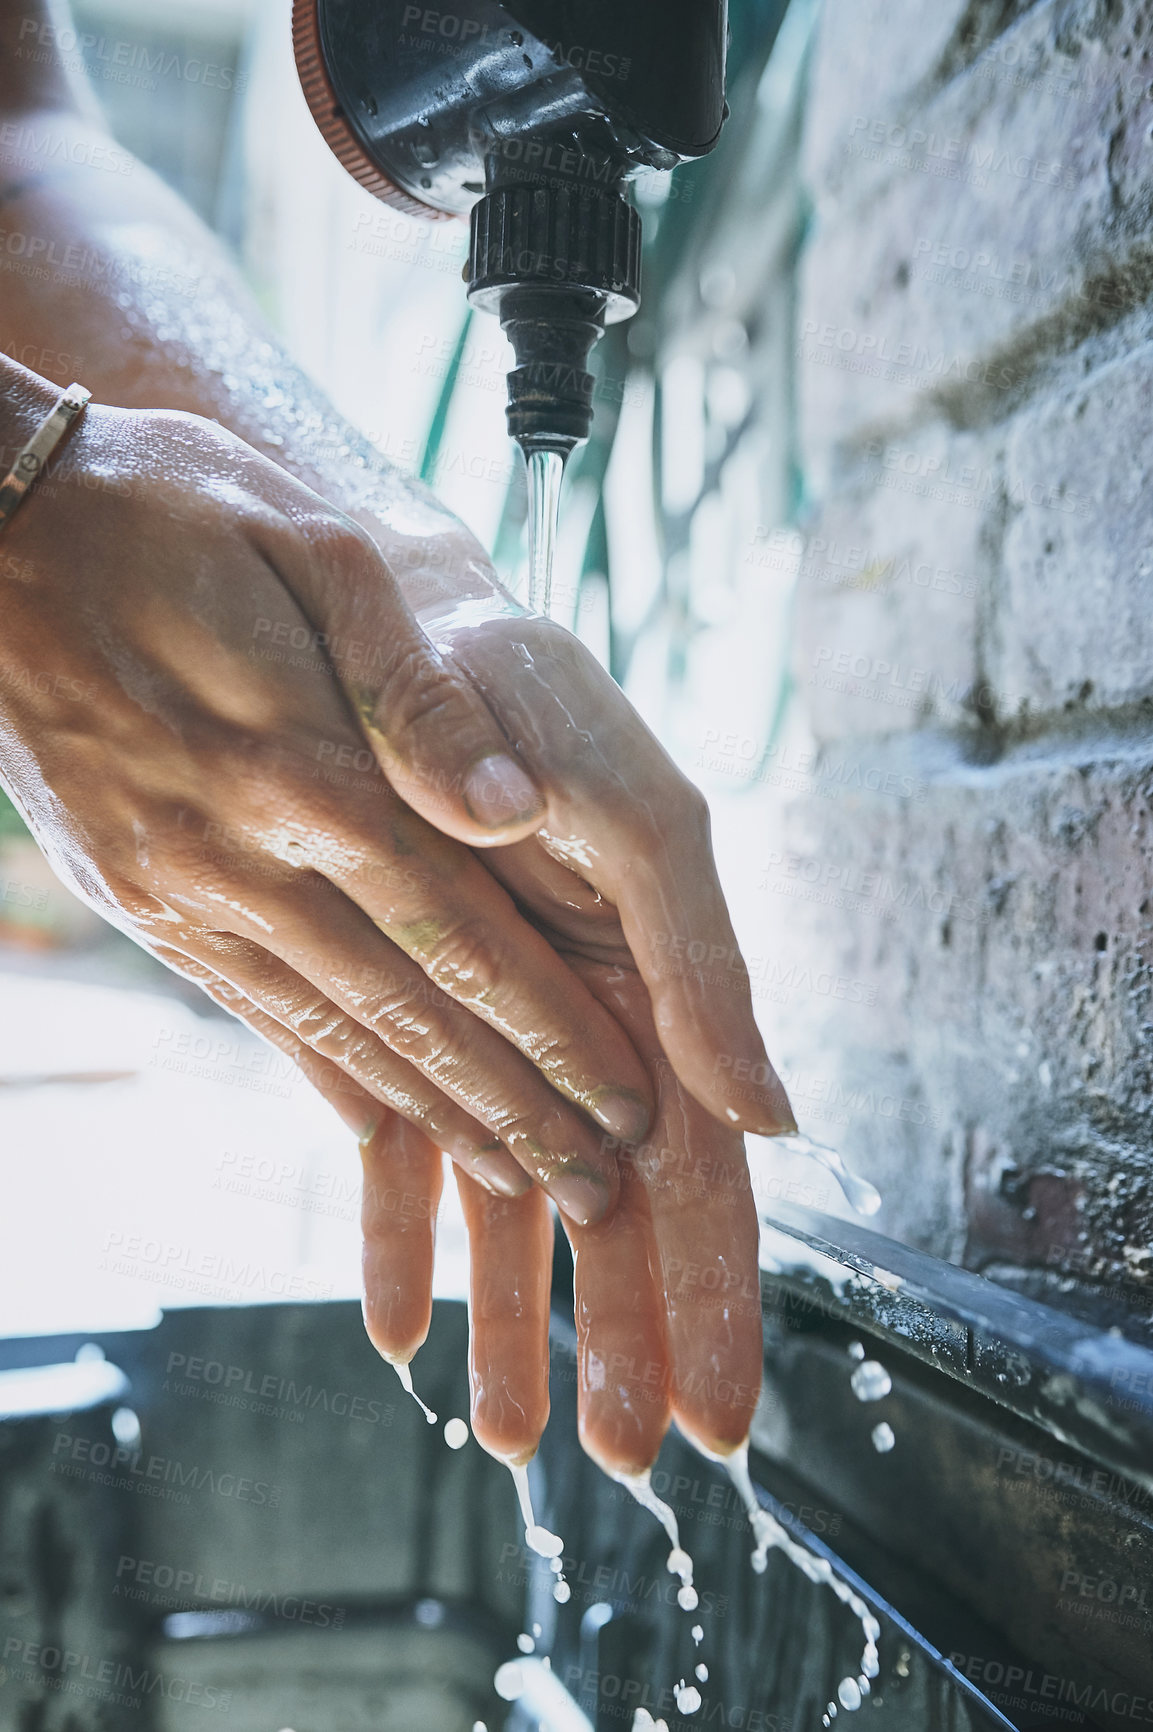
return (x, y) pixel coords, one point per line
(455, 1433)
(525, 1643)
(698, 1633)
(544, 1544)
(688, 1698)
(126, 1427)
(883, 1438)
(509, 1681)
(856, 1350)
(702, 1673)
(562, 1593)
(848, 1695)
(870, 1381)
(687, 1598)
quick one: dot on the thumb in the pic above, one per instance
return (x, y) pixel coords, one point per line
(432, 733)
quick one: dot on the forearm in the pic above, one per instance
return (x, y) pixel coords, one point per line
(33, 75)
(108, 277)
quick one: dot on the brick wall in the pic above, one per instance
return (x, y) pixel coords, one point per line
(975, 626)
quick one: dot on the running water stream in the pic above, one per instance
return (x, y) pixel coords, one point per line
(545, 474)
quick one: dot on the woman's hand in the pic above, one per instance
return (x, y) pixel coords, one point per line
(643, 889)
(667, 1290)
(175, 732)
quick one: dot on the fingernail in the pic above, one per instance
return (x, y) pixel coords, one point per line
(497, 792)
(583, 1200)
(773, 1123)
(622, 1113)
(504, 1183)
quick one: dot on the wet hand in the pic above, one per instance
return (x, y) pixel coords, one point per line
(172, 728)
(636, 834)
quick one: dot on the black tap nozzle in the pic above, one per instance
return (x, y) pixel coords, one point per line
(556, 263)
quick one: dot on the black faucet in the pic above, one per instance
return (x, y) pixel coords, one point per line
(533, 115)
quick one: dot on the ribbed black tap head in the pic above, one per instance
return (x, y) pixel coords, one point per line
(556, 262)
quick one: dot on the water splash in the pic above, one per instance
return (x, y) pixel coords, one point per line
(859, 1193)
(538, 1539)
(769, 1533)
(679, 1563)
(404, 1372)
(545, 473)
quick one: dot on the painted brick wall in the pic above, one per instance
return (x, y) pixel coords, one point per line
(975, 394)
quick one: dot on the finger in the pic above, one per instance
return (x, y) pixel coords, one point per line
(623, 1357)
(322, 936)
(510, 1272)
(704, 1223)
(447, 912)
(433, 734)
(360, 1112)
(678, 930)
(349, 1066)
(441, 907)
(403, 1173)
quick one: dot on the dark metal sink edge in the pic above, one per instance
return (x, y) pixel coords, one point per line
(1090, 1388)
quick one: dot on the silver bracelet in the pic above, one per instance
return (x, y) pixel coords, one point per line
(31, 458)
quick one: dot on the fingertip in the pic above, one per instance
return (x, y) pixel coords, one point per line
(624, 1113)
(491, 1166)
(586, 1197)
(759, 1119)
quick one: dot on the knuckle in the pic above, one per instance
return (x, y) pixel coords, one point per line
(419, 694)
(316, 1020)
(689, 798)
(465, 960)
(400, 1014)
